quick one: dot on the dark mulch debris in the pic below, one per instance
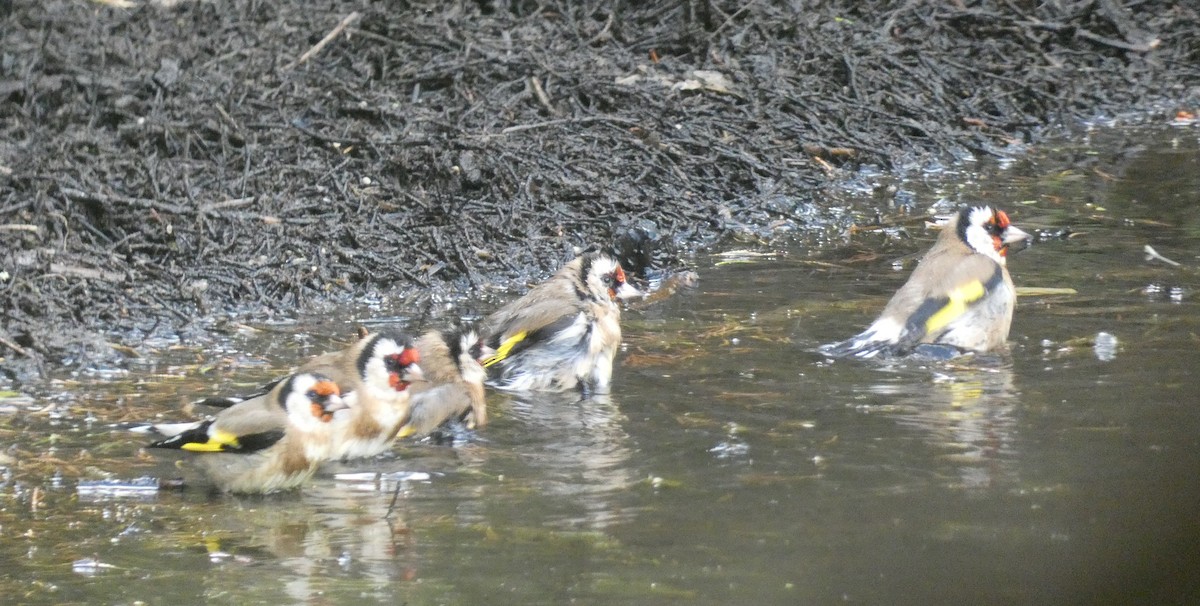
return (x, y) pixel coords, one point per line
(169, 161)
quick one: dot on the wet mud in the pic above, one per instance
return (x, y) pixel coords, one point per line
(165, 164)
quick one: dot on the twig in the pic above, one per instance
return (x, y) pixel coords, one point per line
(541, 95)
(18, 227)
(175, 312)
(316, 48)
(520, 127)
(1080, 32)
(1120, 18)
(412, 142)
(17, 348)
(730, 19)
(603, 32)
(76, 194)
(86, 273)
(234, 203)
(228, 119)
(1143, 47)
(392, 506)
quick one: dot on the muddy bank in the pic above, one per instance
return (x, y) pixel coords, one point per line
(163, 164)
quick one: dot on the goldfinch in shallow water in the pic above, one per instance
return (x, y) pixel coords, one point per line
(959, 296)
(562, 334)
(454, 381)
(266, 444)
(383, 367)
(375, 374)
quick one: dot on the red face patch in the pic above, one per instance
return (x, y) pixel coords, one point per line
(1002, 220)
(396, 363)
(615, 280)
(409, 356)
(319, 412)
(996, 226)
(326, 389)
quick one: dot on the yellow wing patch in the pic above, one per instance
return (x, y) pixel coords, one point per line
(959, 299)
(505, 348)
(218, 442)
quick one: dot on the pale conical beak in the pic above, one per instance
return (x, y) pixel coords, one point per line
(413, 373)
(334, 403)
(627, 291)
(1013, 235)
(1015, 240)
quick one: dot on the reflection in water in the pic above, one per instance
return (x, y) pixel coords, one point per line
(578, 452)
(550, 470)
(967, 411)
(733, 446)
(366, 534)
(963, 414)
(1106, 346)
(301, 545)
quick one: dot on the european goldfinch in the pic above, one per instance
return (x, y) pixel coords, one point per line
(564, 333)
(267, 444)
(454, 381)
(959, 296)
(375, 374)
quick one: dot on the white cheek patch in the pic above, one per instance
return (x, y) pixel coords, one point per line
(376, 375)
(981, 242)
(377, 381)
(977, 236)
(345, 414)
(602, 267)
(299, 409)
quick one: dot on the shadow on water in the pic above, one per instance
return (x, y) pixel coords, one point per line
(731, 463)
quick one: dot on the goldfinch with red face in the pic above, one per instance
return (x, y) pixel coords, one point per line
(267, 444)
(960, 295)
(564, 333)
(375, 374)
(385, 367)
(454, 382)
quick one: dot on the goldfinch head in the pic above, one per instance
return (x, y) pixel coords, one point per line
(468, 351)
(478, 347)
(389, 360)
(989, 232)
(604, 278)
(311, 398)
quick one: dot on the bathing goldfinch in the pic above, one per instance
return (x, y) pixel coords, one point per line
(384, 367)
(959, 296)
(375, 373)
(267, 444)
(453, 389)
(564, 333)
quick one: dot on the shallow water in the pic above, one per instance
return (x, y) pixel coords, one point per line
(730, 464)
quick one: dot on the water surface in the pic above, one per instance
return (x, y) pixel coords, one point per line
(730, 464)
